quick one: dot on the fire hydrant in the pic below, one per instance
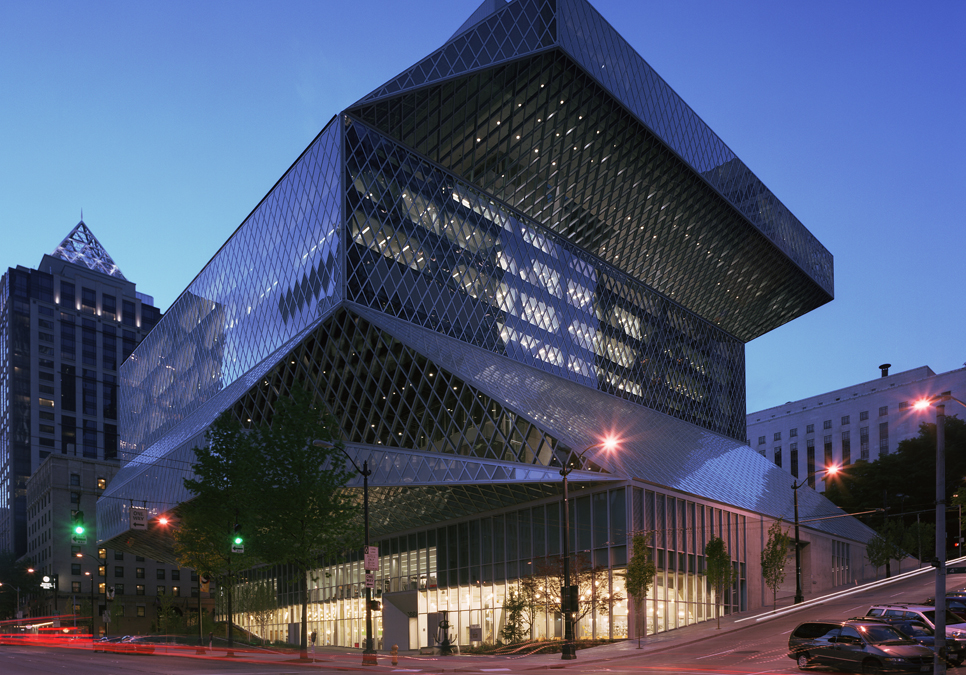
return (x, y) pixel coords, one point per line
(394, 652)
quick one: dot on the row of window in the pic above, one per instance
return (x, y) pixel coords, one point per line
(827, 424)
(845, 448)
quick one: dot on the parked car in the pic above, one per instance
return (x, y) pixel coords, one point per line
(955, 626)
(135, 644)
(864, 645)
(924, 635)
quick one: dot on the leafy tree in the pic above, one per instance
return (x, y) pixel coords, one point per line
(878, 551)
(639, 576)
(895, 535)
(720, 572)
(514, 607)
(224, 470)
(592, 585)
(256, 599)
(169, 618)
(298, 508)
(773, 559)
(920, 538)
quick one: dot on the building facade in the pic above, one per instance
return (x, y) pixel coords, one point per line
(65, 329)
(858, 423)
(520, 245)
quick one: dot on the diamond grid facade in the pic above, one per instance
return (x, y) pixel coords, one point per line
(523, 242)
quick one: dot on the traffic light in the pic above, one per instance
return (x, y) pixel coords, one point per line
(237, 540)
(375, 605)
(78, 532)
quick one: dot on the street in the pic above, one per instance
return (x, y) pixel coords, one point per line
(752, 645)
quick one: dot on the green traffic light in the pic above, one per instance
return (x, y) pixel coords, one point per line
(79, 529)
(238, 540)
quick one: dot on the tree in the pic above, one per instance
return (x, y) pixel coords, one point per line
(298, 507)
(894, 533)
(719, 570)
(878, 552)
(920, 538)
(256, 599)
(593, 585)
(224, 469)
(639, 576)
(773, 558)
(513, 621)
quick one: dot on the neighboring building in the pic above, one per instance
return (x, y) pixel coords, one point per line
(124, 582)
(65, 329)
(857, 423)
(521, 244)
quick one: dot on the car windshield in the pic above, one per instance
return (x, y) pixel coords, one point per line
(880, 634)
(915, 629)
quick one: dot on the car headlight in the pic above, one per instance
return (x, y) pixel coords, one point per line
(894, 659)
(957, 633)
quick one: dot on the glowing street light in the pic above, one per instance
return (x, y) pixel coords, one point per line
(569, 600)
(828, 471)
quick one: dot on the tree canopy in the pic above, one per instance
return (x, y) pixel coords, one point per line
(720, 571)
(640, 575)
(269, 484)
(773, 559)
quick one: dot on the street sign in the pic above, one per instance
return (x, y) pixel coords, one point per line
(139, 518)
(237, 548)
(370, 580)
(476, 633)
(371, 563)
(78, 539)
(48, 583)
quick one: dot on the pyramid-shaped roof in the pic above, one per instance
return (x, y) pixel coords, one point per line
(82, 248)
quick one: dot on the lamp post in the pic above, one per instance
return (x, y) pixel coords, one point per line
(939, 646)
(568, 598)
(99, 561)
(369, 655)
(829, 470)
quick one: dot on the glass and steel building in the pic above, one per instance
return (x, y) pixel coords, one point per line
(521, 244)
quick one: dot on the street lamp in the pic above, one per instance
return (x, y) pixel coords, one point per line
(831, 471)
(368, 654)
(100, 562)
(939, 648)
(30, 570)
(568, 598)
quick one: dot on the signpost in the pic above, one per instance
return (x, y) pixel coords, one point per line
(371, 563)
(139, 518)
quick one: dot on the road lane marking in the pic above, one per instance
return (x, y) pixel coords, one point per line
(708, 656)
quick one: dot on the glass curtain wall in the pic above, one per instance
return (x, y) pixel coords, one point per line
(467, 569)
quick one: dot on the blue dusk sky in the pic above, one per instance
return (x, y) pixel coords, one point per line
(167, 122)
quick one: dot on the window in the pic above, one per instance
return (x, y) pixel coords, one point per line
(810, 461)
(102, 553)
(864, 415)
(793, 459)
(118, 589)
(88, 300)
(175, 575)
(845, 420)
(139, 572)
(119, 555)
(74, 550)
(102, 570)
(139, 558)
(778, 436)
(118, 571)
(864, 443)
(846, 448)
(793, 433)
(139, 589)
(810, 429)
(75, 587)
(75, 479)
(883, 410)
(827, 424)
(761, 440)
(140, 611)
(883, 438)
(778, 456)
(101, 483)
(75, 569)
(75, 498)
(160, 573)
(160, 590)
(175, 591)
(828, 451)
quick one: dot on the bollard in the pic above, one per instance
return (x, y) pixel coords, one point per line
(394, 652)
